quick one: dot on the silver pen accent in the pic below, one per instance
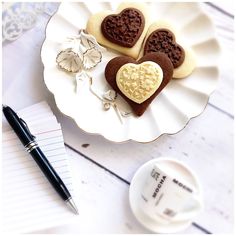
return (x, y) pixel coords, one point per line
(72, 205)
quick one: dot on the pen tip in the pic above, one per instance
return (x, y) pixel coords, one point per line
(72, 205)
(4, 106)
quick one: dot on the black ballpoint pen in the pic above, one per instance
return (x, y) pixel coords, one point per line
(28, 140)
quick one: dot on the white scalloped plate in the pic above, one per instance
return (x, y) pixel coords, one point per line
(180, 101)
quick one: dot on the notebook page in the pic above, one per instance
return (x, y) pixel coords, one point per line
(34, 112)
(29, 201)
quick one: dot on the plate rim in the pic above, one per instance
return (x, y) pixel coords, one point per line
(132, 139)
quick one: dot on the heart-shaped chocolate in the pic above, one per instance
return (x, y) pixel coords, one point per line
(124, 28)
(163, 40)
(139, 82)
(114, 65)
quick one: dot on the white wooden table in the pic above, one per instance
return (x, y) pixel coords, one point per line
(103, 170)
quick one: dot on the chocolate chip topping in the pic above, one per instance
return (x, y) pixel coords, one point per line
(125, 28)
(163, 40)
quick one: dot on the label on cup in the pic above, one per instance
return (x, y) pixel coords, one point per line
(168, 198)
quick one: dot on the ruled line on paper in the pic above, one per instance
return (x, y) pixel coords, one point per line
(40, 138)
(34, 169)
(41, 182)
(12, 135)
(36, 130)
(28, 197)
(44, 148)
(34, 122)
(47, 152)
(29, 158)
(22, 188)
(50, 192)
(40, 176)
(15, 162)
(42, 143)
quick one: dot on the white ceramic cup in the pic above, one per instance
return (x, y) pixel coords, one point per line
(168, 198)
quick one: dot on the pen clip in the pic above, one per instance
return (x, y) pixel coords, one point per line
(26, 126)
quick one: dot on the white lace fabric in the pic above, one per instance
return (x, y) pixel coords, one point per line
(20, 16)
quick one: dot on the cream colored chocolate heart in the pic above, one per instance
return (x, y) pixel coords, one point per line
(139, 82)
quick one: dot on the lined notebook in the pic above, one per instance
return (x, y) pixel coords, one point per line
(29, 201)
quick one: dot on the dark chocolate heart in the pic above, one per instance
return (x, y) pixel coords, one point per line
(124, 28)
(114, 65)
(163, 40)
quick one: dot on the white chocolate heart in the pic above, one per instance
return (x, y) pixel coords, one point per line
(139, 82)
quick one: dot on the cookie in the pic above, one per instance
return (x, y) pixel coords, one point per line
(139, 82)
(163, 40)
(123, 30)
(161, 37)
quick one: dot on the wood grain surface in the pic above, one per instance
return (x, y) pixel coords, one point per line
(104, 170)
